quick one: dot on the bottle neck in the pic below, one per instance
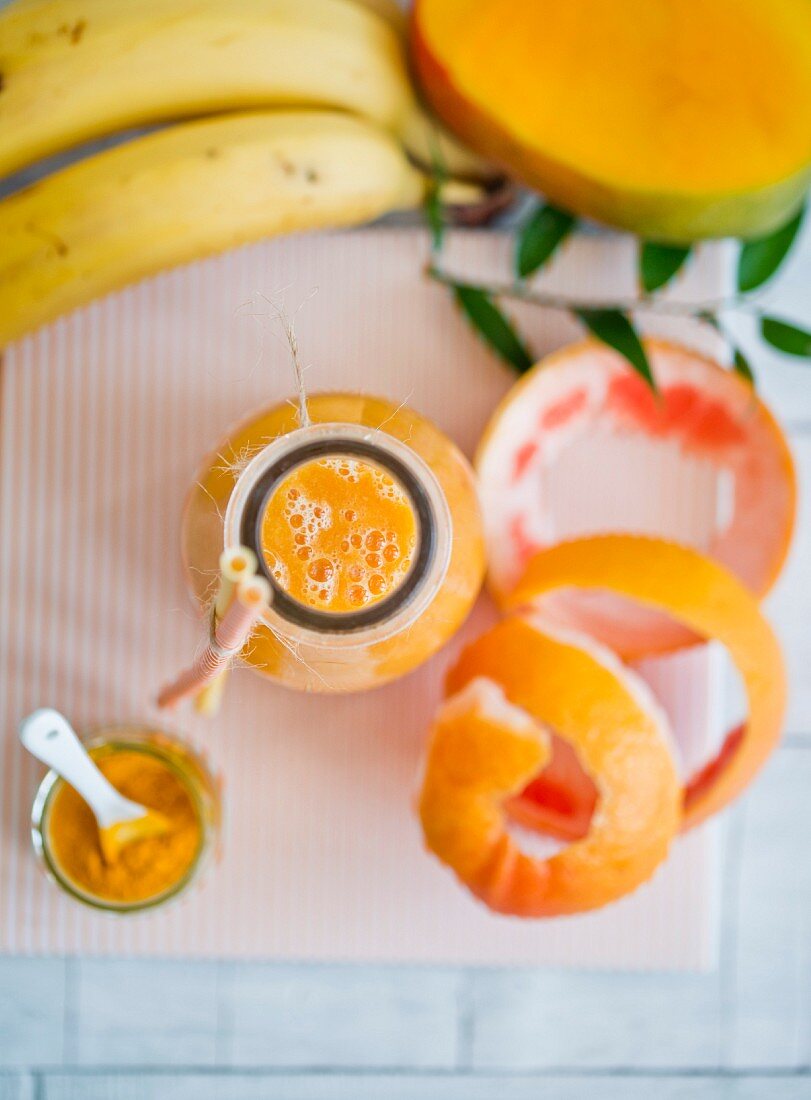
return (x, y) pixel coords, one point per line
(257, 484)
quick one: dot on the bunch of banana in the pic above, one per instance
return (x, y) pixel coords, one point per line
(185, 192)
(74, 70)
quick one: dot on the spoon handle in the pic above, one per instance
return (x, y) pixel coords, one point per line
(49, 736)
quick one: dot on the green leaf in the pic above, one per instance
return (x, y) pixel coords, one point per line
(493, 326)
(616, 330)
(658, 263)
(432, 204)
(742, 367)
(709, 318)
(740, 364)
(434, 214)
(760, 259)
(540, 237)
(785, 337)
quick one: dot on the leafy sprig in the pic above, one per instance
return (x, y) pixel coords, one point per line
(432, 205)
(741, 366)
(760, 259)
(659, 263)
(613, 328)
(538, 240)
(786, 337)
(542, 234)
(493, 326)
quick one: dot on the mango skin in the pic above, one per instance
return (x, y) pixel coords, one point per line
(669, 218)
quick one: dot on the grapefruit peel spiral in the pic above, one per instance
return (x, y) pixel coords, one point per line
(490, 739)
(536, 711)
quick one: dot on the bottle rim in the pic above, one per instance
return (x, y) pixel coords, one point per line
(260, 478)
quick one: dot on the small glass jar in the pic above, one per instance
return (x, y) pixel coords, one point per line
(184, 764)
(327, 651)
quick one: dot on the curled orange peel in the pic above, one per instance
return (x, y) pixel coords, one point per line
(489, 741)
(703, 596)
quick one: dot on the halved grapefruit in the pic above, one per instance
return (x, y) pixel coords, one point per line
(704, 415)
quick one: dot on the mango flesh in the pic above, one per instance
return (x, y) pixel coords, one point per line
(675, 119)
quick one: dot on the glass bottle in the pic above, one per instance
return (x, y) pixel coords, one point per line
(330, 634)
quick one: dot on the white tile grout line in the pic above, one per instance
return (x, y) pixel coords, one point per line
(358, 1072)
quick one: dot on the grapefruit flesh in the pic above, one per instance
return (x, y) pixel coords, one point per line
(705, 414)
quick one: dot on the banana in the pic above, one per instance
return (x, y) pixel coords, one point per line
(424, 136)
(185, 192)
(73, 70)
(391, 11)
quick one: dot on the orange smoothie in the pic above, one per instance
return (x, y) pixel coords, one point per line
(339, 534)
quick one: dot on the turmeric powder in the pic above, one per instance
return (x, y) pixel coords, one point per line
(144, 868)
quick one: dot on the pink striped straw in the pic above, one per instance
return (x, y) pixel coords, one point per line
(237, 563)
(228, 638)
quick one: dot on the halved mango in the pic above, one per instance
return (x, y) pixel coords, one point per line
(675, 119)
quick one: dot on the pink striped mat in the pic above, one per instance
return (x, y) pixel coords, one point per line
(105, 416)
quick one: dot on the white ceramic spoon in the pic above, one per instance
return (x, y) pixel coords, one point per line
(49, 736)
